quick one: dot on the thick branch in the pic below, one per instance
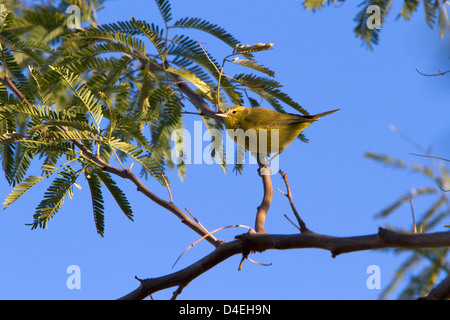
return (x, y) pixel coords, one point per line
(261, 242)
(263, 209)
(440, 292)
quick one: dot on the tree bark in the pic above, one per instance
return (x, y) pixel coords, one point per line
(246, 243)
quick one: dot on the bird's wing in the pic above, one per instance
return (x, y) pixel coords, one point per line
(260, 118)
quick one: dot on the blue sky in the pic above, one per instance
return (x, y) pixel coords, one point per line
(337, 191)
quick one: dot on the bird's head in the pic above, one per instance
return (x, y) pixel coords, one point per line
(234, 116)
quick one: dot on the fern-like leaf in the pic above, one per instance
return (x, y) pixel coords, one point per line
(20, 189)
(269, 90)
(408, 8)
(7, 18)
(116, 192)
(315, 4)
(97, 201)
(247, 48)
(403, 199)
(254, 65)
(55, 196)
(82, 92)
(165, 9)
(144, 159)
(119, 37)
(206, 26)
(204, 88)
(154, 34)
(11, 66)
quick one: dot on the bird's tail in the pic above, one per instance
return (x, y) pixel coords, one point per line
(319, 115)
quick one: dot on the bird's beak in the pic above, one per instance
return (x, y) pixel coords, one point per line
(222, 115)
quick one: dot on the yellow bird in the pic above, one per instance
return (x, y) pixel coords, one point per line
(263, 130)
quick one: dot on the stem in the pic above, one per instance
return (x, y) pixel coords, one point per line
(263, 209)
(302, 224)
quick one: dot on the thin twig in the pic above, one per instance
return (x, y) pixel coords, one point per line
(412, 212)
(168, 188)
(192, 216)
(425, 156)
(440, 73)
(302, 225)
(292, 223)
(438, 158)
(200, 225)
(195, 113)
(261, 264)
(208, 235)
(177, 292)
(245, 257)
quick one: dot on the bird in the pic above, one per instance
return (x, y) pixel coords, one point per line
(265, 131)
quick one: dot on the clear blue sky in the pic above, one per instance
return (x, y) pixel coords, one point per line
(337, 190)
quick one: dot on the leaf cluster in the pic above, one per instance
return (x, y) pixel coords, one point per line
(423, 268)
(435, 15)
(113, 88)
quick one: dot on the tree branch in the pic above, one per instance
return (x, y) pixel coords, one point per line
(196, 99)
(126, 174)
(169, 205)
(302, 224)
(440, 292)
(263, 208)
(10, 85)
(247, 243)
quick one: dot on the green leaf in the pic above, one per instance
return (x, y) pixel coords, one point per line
(82, 92)
(165, 9)
(204, 88)
(125, 39)
(314, 4)
(408, 8)
(22, 162)
(386, 159)
(126, 27)
(116, 192)
(144, 159)
(55, 196)
(12, 68)
(7, 18)
(254, 65)
(247, 48)
(154, 34)
(97, 201)
(43, 86)
(431, 7)
(370, 35)
(203, 25)
(20, 189)
(269, 90)
(422, 191)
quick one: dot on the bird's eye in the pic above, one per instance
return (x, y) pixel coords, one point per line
(233, 112)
